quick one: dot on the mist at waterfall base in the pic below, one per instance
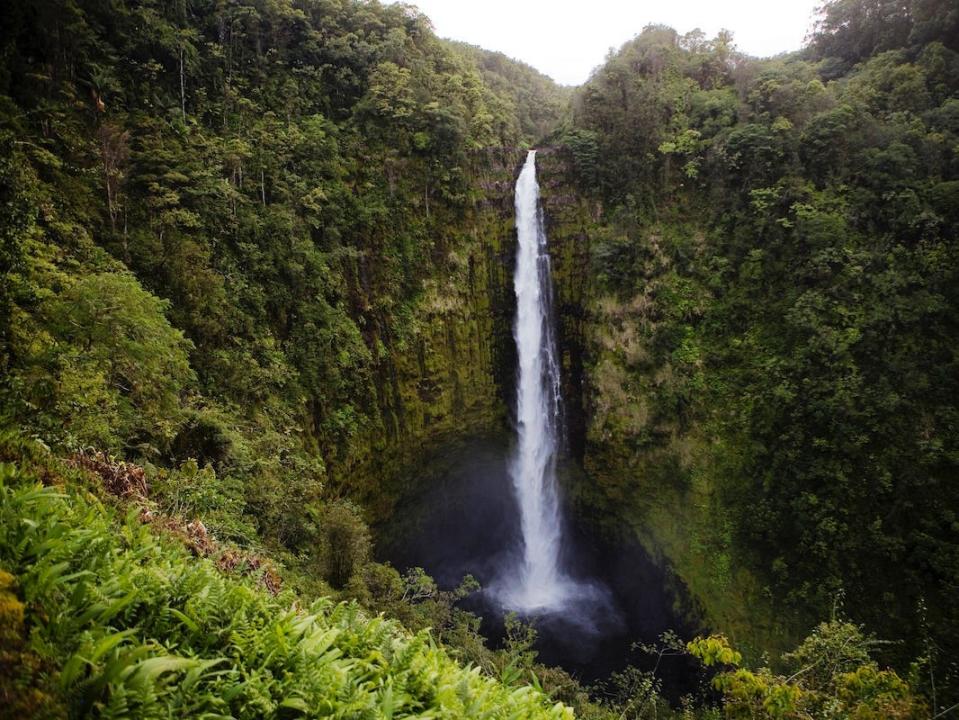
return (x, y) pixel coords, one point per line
(511, 534)
(464, 519)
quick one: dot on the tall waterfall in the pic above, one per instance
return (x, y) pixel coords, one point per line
(541, 584)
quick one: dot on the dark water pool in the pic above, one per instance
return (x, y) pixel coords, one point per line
(464, 520)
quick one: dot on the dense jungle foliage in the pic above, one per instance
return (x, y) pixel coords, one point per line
(220, 224)
(218, 220)
(774, 317)
(138, 628)
(228, 229)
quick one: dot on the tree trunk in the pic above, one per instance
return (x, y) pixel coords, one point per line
(182, 87)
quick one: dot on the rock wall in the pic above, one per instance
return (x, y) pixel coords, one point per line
(638, 473)
(453, 377)
(647, 471)
(569, 219)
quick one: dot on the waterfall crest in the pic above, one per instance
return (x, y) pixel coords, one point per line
(541, 584)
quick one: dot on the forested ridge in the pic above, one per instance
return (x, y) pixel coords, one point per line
(255, 261)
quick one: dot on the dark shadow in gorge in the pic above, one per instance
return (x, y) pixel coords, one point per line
(463, 519)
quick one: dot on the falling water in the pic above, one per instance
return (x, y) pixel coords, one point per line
(541, 584)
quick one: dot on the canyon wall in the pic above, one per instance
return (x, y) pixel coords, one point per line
(647, 467)
(452, 379)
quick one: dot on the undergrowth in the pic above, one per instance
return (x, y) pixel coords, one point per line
(118, 621)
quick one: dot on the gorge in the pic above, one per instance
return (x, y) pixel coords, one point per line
(520, 548)
(296, 334)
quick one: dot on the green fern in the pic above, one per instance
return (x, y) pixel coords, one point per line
(142, 630)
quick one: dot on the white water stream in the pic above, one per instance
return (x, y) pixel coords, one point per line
(541, 584)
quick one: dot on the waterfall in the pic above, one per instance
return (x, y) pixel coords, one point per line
(541, 583)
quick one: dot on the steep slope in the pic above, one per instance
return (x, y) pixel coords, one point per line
(104, 618)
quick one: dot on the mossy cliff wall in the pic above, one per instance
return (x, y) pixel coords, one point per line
(451, 378)
(569, 220)
(649, 468)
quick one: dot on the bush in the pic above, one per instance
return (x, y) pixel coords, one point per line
(344, 542)
(831, 676)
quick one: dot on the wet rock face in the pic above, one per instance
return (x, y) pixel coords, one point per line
(646, 471)
(447, 504)
(453, 377)
(568, 218)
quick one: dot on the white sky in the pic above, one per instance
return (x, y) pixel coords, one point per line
(567, 39)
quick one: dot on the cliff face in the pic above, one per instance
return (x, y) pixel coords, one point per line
(453, 377)
(569, 220)
(648, 466)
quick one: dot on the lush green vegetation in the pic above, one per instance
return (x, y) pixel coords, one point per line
(536, 102)
(136, 627)
(256, 251)
(250, 246)
(111, 608)
(250, 235)
(831, 675)
(771, 369)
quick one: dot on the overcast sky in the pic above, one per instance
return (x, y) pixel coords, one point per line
(567, 39)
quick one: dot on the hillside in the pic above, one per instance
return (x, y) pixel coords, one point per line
(287, 211)
(137, 627)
